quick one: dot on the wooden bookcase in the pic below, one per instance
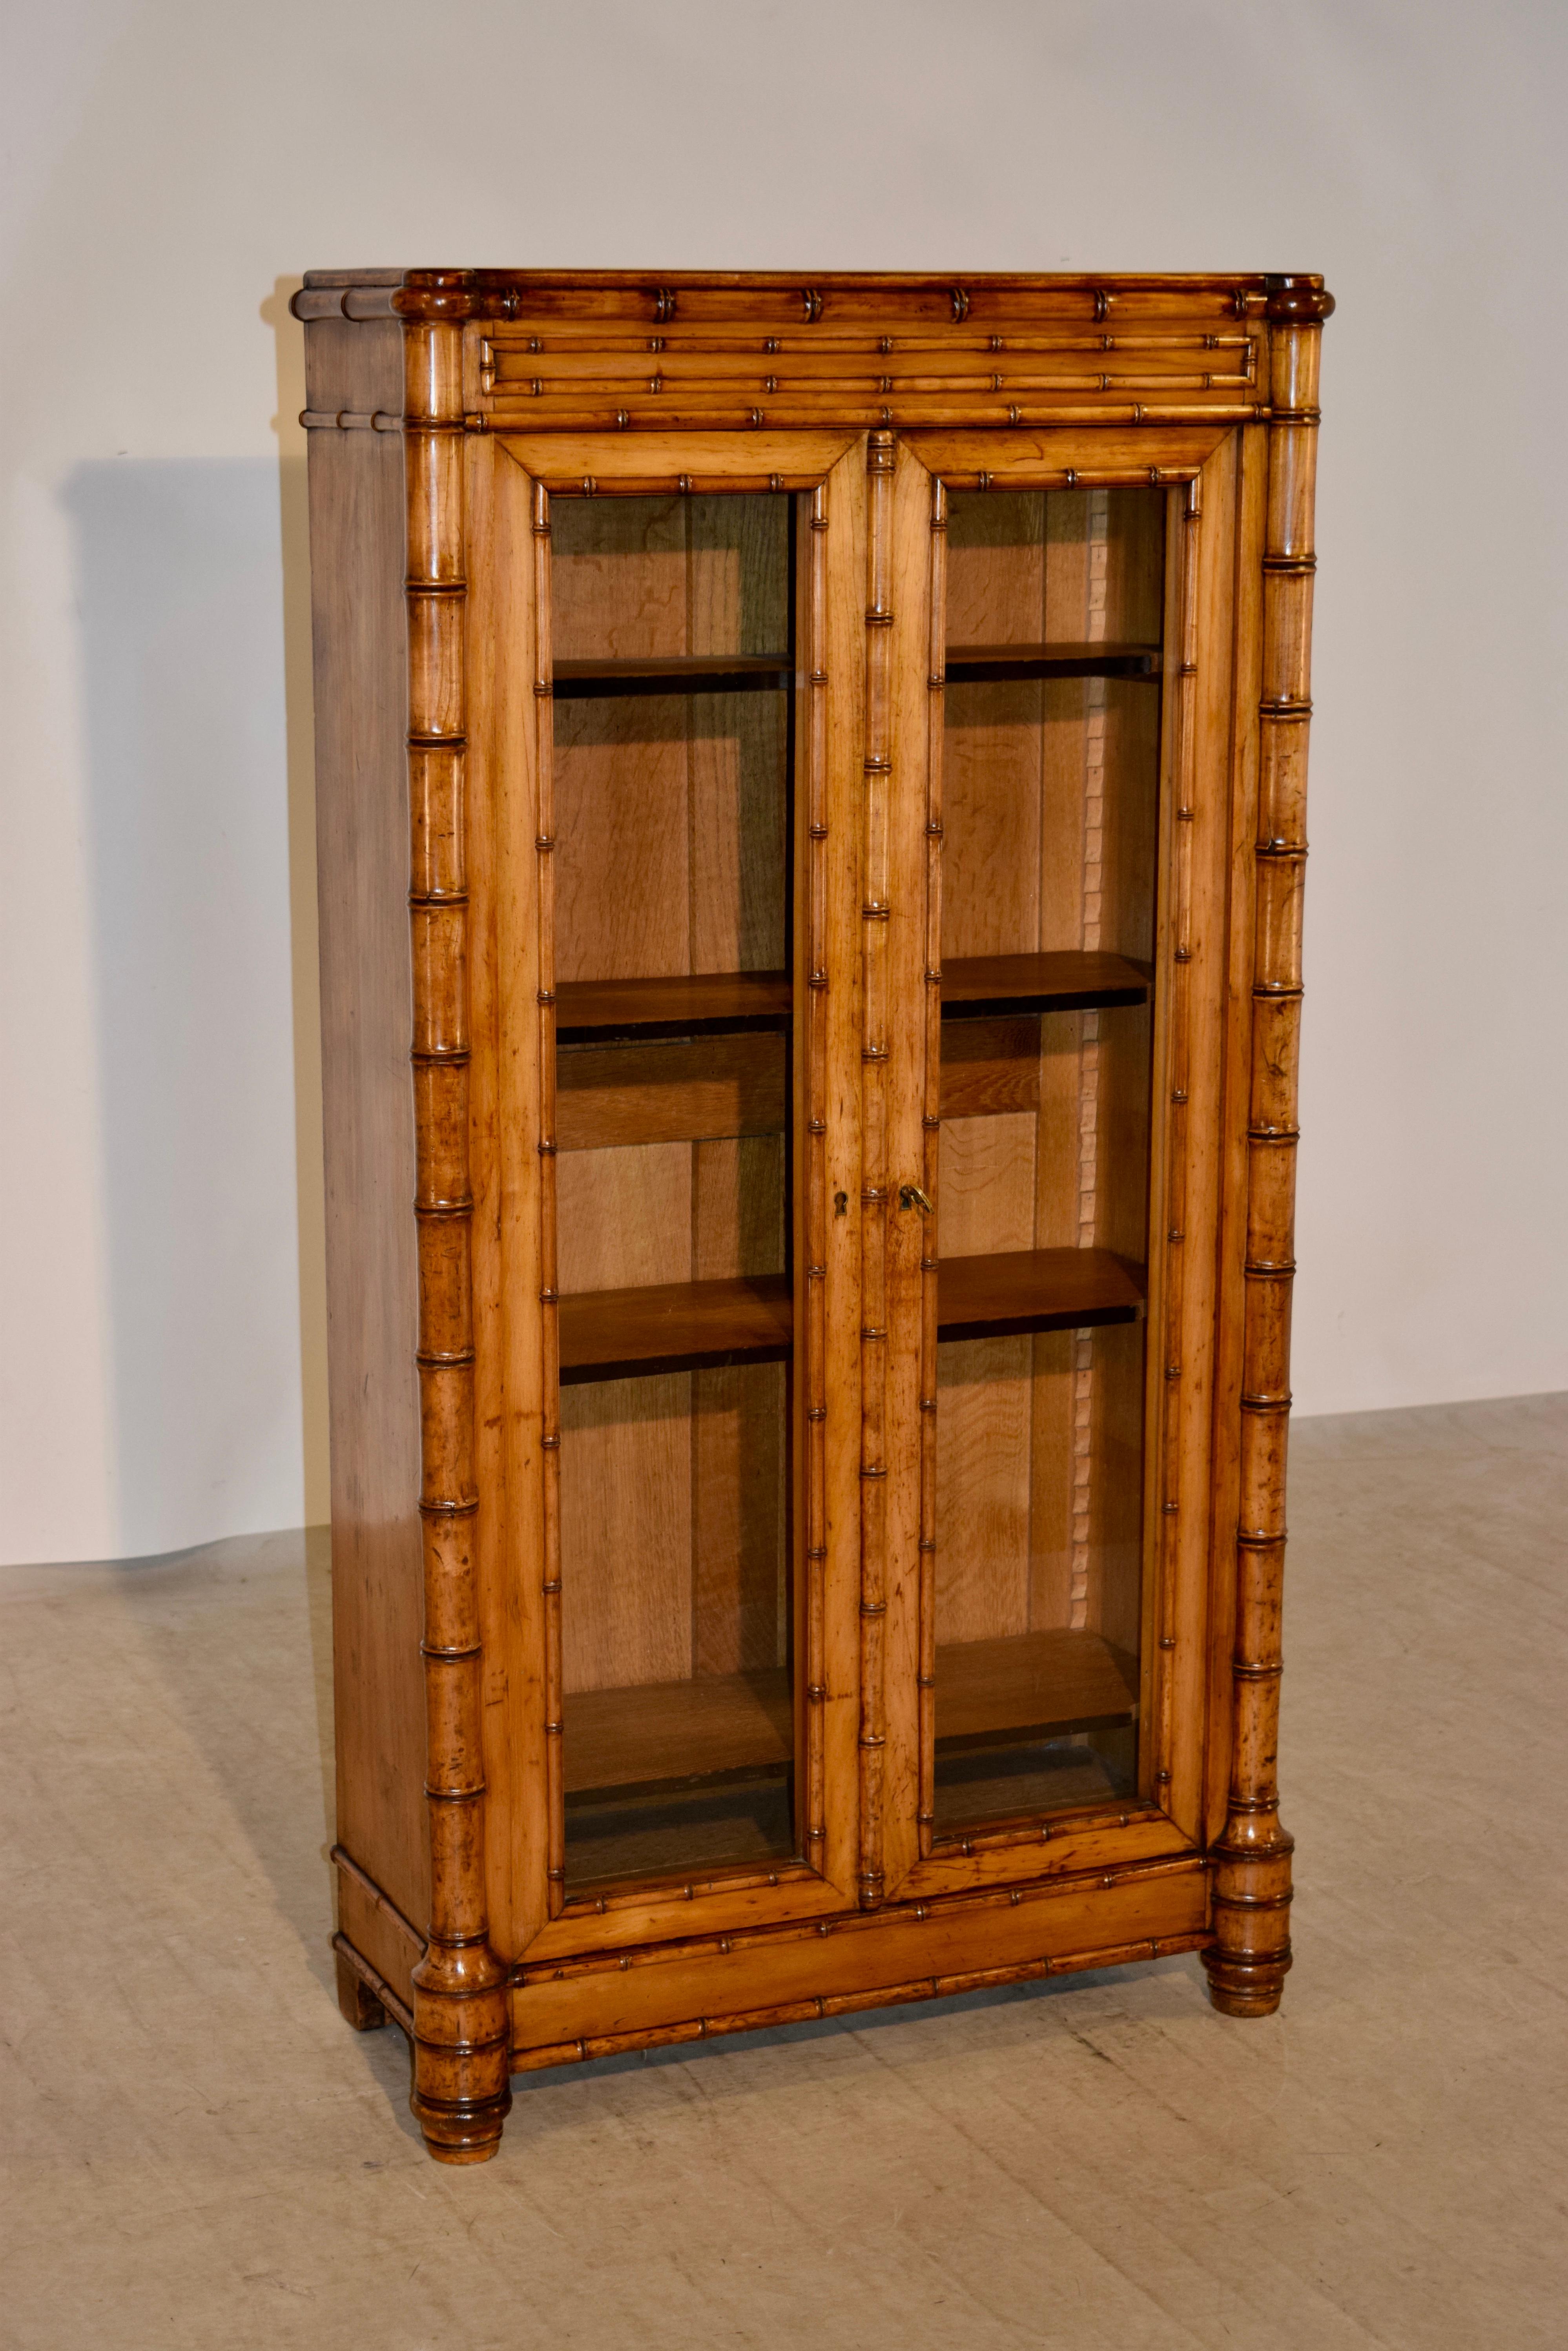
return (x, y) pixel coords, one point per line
(811, 797)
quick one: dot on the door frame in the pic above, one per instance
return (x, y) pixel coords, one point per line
(1216, 481)
(511, 478)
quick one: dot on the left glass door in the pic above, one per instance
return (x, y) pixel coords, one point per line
(673, 628)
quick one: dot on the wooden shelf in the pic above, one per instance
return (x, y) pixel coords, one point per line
(1036, 1290)
(668, 1736)
(978, 665)
(691, 1326)
(664, 1738)
(691, 1004)
(976, 988)
(678, 1326)
(1031, 1685)
(581, 681)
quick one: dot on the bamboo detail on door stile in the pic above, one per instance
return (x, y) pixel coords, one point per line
(815, 1026)
(1251, 1948)
(461, 2093)
(550, 1286)
(874, 910)
(1165, 1373)
(930, 1125)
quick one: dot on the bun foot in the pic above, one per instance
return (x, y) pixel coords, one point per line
(459, 2134)
(1238, 1988)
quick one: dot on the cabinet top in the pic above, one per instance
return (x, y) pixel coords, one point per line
(796, 298)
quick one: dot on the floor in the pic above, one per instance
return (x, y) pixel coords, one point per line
(200, 2154)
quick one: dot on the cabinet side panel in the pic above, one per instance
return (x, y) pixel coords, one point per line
(357, 528)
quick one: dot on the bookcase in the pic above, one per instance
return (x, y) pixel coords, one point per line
(811, 786)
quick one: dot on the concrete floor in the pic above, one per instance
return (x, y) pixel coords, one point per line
(201, 2154)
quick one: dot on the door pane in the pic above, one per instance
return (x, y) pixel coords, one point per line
(673, 648)
(1049, 789)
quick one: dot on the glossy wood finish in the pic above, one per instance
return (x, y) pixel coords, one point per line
(356, 532)
(677, 1004)
(989, 664)
(578, 1123)
(1251, 1950)
(584, 681)
(674, 1326)
(1059, 981)
(1035, 1290)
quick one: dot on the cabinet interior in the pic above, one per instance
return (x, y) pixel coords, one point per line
(1050, 766)
(673, 625)
(672, 651)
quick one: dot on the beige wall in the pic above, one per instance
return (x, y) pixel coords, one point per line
(160, 1261)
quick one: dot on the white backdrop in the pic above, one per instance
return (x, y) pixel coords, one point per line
(173, 162)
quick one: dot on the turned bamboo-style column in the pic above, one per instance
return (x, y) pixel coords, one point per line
(1251, 1948)
(810, 621)
(931, 1128)
(461, 2091)
(875, 912)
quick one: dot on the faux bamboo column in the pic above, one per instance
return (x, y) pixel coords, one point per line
(461, 2091)
(874, 910)
(1251, 1948)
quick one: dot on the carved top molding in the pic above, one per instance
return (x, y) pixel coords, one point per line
(452, 297)
(629, 351)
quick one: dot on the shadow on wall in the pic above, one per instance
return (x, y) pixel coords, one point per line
(177, 569)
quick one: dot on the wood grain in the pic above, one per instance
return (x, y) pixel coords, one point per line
(610, 1334)
(1037, 1289)
(675, 1092)
(983, 986)
(969, 665)
(356, 534)
(678, 1004)
(725, 672)
(1041, 1684)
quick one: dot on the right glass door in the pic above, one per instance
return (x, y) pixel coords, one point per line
(1049, 807)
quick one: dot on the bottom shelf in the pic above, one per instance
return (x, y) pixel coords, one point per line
(661, 1737)
(664, 1736)
(1031, 1685)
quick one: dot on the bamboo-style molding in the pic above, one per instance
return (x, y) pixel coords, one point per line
(525, 2059)
(874, 910)
(784, 411)
(812, 1030)
(931, 1125)
(1250, 1951)
(460, 2077)
(549, 1291)
(1164, 1381)
(348, 420)
(780, 298)
(975, 1901)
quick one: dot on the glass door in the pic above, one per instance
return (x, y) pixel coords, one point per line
(1049, 789)
(673, 626)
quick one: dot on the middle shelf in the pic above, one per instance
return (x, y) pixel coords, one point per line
(687, 1326)
(704, 1003)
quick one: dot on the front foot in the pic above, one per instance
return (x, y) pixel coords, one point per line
(1240, 1986)
(465, 2134)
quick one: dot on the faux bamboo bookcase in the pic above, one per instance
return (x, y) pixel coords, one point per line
(804, 767)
